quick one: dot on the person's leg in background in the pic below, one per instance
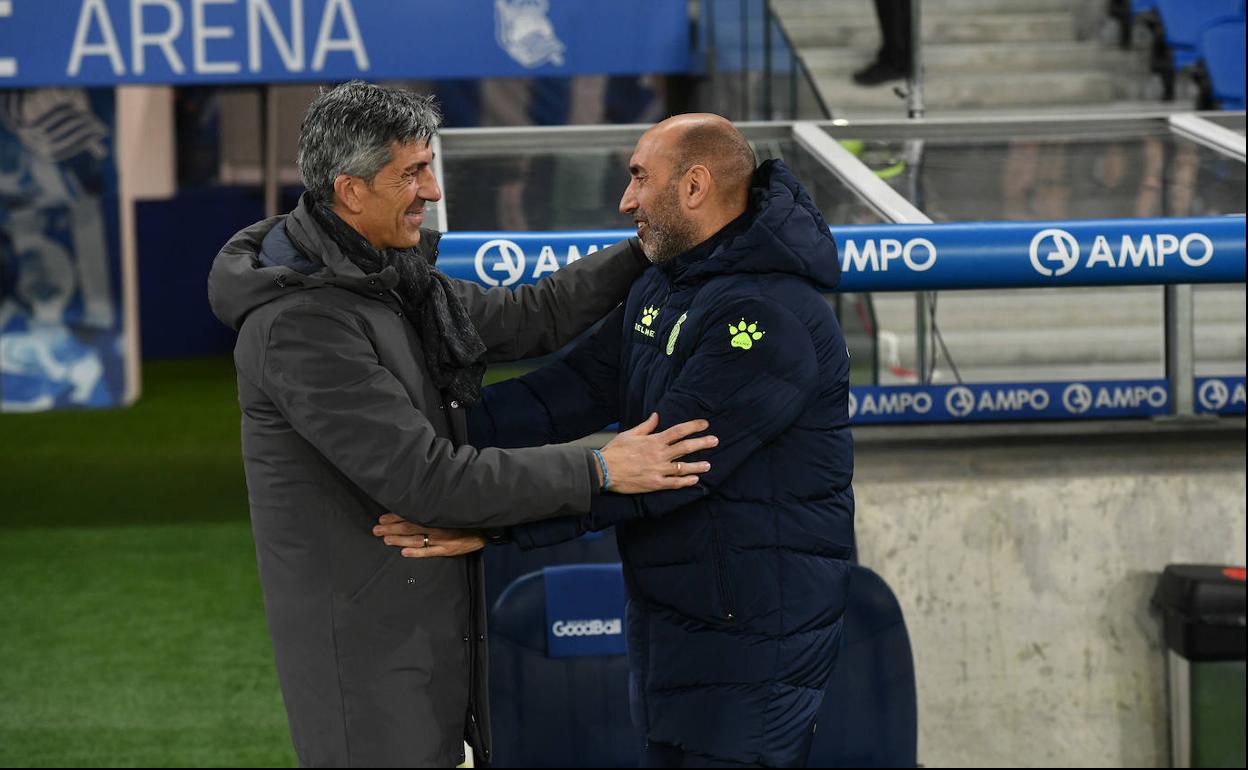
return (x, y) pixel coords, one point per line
(893, 60)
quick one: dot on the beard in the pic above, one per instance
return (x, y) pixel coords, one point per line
(667, 234)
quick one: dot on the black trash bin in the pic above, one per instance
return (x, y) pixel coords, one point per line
(1202, 609)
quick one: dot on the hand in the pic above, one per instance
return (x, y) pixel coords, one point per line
(420, 542)
(639, 460)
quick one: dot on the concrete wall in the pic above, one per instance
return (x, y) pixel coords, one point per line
(1024, 560)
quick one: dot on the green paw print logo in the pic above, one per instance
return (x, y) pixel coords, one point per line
(648, 315)
(744, 336)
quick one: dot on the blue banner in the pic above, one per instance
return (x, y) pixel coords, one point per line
(584, 610)
(1220, 395)
(979, 255)
(1011, 401)
(107, 42)
(62, 338)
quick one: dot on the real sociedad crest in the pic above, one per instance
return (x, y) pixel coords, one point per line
(525, 33)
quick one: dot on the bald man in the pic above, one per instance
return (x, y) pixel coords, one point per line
(736, 585)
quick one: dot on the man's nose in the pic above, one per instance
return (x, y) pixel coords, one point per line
(628, 202)
(430, 190)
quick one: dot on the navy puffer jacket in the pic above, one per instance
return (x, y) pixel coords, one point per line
(736, 586)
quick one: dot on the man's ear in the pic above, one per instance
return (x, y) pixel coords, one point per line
(697, 186)
(348, 193)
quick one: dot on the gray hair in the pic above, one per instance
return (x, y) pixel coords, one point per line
(348, 129)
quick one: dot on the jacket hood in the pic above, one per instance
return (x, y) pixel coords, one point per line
(290, 253)
(784, 233)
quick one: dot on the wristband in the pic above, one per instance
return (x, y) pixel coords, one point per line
(602, 463)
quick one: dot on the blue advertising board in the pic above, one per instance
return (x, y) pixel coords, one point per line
(1009, 401)
(62, 335)
(1220, 395)
(978, 255)
(109, 42)
(584, 610)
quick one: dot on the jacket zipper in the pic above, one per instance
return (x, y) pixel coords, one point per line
(721, 577)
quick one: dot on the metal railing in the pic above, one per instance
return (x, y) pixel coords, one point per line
(753, 70)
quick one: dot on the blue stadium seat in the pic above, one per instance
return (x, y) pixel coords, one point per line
(870, 713)
(1222, 54)
(573, 711)
(1183, 21)
(503, 564)
(559, 711)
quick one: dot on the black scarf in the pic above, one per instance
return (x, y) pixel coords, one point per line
(454, 352)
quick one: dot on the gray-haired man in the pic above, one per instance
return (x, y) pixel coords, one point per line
(355, 358)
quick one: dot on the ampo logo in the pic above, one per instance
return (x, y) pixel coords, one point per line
(1214, 395)
(507, 258)
(960, 401)
(853, 405)
(1077, 398)
(1064, 251)
(607, 627)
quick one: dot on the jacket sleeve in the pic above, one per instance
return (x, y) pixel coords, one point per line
(749, 396)
(562, 401)
(539, 319)
(322, 373)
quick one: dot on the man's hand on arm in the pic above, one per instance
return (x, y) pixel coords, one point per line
(420, 542)
(639, 460)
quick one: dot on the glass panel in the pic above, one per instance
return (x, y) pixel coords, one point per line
(579, 188)
(1149, 173)
(1057, 334)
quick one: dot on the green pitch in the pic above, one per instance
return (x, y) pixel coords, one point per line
(132, 629)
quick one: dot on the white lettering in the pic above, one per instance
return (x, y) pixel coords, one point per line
(890, 249)
(201, 32)
(573, 254)
(1130, 397)
(907, 254)
(290, 49)
(1237, 396)
(1013, 400)
(546, 262)
(1139, 255)
(1166, 244)
(1101, 252)
(860, 261)
(82, 49)
(896, 403)
(604, 627)
(140, 39)
(352, 42)
(1186, 256)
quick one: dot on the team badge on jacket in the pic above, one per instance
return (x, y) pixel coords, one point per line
(744, 336)
(648, 314)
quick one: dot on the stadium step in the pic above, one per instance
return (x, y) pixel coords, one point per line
(978, 55)
(988, 57)
(975, 90)
(836, 29)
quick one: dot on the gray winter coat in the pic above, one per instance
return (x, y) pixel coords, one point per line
(382, 659)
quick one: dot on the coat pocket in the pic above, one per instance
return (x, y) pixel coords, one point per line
(355, 596)
(723, 580)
